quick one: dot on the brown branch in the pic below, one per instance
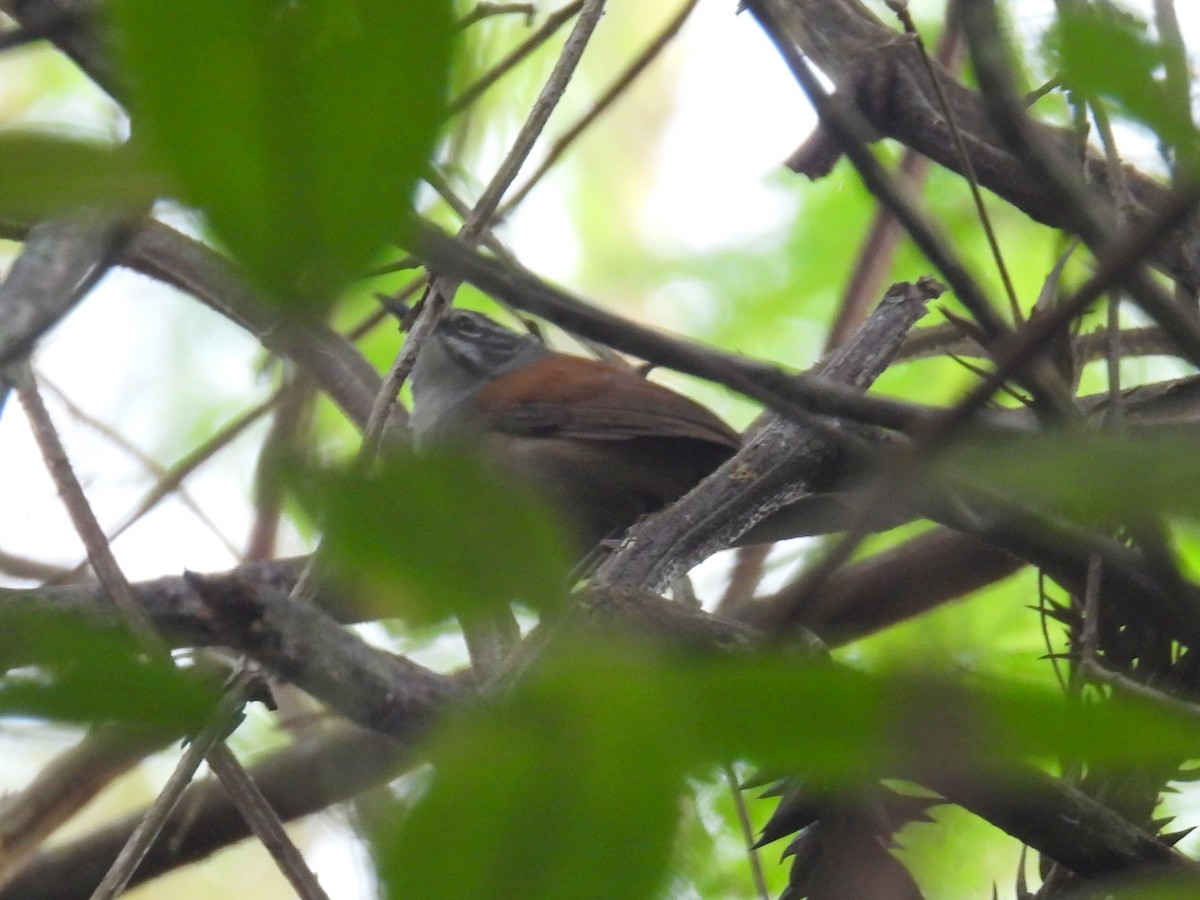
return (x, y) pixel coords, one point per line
(1093, 217)
(622, 82)
(265, 823)
(790, 394)
(852, 131)
(553, 22)
(306, 647)
(870, 62)
(904, 581)
(948, 340)
(58, 265)
(33, 569)
(1076, 830)
(1062, 822)
(104, 564)
(481, 11)
(306, 777)
(171, 604)
(293, 415)
(67, 783)
(329, 360)
(775, 467)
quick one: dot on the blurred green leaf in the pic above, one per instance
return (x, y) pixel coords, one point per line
(566, 785)
(1107, 52)
(567, 791)
(840, 725)
(86, 673)
(300, 129)
(43, 176)
(1089, 477)
(435, 534)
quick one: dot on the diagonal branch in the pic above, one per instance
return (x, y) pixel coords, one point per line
(876, 66)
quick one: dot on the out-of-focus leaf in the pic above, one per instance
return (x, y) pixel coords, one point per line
(1156, 886)
(1090, 477)
(434, 534)
(568, 791)
(42, 176)
(86, 673)
(840, 725)
(300, 129)
(585, 754)
(1103, 52)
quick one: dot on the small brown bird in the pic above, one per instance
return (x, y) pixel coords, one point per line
(606, 444)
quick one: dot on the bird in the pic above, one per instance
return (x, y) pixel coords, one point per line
(604, 444)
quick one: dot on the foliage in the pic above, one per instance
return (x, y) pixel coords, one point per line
(305, 135)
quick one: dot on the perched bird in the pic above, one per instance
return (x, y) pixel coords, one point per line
(606, 445)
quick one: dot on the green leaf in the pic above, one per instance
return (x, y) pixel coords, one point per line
(1087, 477)
(844, 726)
(86, 673)
(1107, 52)
(567, 786)
(43, 176)
(564, 792)
(435, 534)
(300, 129)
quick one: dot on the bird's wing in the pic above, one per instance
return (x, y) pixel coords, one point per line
(568, 396)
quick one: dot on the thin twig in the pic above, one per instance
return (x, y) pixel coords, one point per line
(1044, 617)
(117, 586)
(32, 569)
(1178, 81)
(67, 783)
(553, 22)
(383, 314)
(483, 11)
(1098, 674)
(293, 415)
(104, 564)
(747, 829)
(948, 340)
(900, 7)
(614, 91)
(1085, 216)
(744, 578)
(224, 719)
(264, 822)
(850, 128)
(1120, 191)
(539, 114)
(1089, 638)
(170, 480)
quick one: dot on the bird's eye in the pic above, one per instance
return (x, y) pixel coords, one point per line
(467, 326)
